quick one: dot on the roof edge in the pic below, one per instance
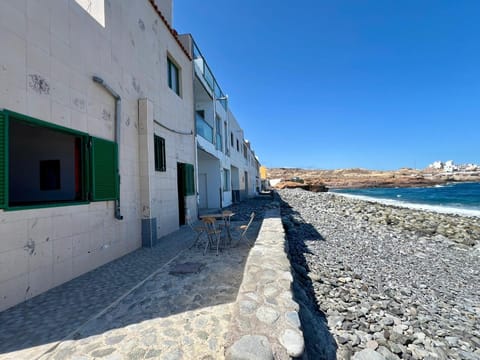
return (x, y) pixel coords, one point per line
(170, 29)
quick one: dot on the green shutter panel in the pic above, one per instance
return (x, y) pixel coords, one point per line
(189, 176)
(104, 169)
(3, 160)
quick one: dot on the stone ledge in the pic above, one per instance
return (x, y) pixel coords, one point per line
(265, 322)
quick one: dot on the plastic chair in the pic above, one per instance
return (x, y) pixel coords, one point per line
(213, 234)
(244, 229)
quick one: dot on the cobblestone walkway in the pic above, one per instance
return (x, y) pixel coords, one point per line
(169, 302)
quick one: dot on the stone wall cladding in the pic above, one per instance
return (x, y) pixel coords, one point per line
(265, 322)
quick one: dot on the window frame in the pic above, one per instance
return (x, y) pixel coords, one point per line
(87, 163)
(159, 153)
(170, 66)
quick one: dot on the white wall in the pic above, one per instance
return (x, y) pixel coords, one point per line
(54, 49)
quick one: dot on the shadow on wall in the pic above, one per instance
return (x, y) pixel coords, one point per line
(319, 342)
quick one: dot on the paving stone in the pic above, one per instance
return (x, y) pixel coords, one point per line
(267, 315)
(250, 347)
(293, 341)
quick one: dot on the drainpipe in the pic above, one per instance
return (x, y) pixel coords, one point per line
(118, 110)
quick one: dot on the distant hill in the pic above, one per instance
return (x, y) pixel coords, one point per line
(361, 178)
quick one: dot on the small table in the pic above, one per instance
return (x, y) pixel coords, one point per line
(225, 216)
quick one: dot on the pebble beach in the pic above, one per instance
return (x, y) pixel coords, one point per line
(377, 281)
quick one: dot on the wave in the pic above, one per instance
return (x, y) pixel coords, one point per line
(434, 208)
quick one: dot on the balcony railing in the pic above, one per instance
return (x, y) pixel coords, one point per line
(207, 74)
(203, 128)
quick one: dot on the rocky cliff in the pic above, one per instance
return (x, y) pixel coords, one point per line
(362, 178)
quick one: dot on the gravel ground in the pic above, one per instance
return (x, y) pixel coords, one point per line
(380, 282)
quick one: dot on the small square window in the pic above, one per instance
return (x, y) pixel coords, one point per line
(159, 149)
(173, 77)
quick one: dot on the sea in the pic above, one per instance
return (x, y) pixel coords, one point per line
(460, 198)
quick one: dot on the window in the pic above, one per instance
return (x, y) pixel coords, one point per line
(218, 136)
(226, 180)
(173, 77)
(238, 146)
(159, 149)
(42, 164)
(245, 154)
(231, 140)
(226, 137)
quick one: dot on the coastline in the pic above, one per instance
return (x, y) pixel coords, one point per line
(388, 282)
(415, 206)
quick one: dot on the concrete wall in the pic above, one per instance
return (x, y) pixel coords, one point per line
(54, 49)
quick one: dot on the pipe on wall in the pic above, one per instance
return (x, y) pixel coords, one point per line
(118, 111)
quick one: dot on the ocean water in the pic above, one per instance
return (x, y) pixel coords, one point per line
(461, 196)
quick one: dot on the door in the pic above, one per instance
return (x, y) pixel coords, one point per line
(203, 191)
(181, 193)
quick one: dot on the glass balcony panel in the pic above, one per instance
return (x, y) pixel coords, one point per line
(204, 129)
(208, 77)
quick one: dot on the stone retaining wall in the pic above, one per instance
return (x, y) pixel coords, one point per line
(265, 322)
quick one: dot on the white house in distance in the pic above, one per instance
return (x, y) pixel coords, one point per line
(98, 150)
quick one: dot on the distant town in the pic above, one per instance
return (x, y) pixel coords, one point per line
(450, 167)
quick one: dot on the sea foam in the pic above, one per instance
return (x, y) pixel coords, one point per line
(434, 208)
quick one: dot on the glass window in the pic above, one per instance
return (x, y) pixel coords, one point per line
(173, 77)
(159, 149)
(218, 136)
(47, 164)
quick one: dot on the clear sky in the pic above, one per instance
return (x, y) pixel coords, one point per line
(344, 83)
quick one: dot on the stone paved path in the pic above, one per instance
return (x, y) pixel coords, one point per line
(179, 308)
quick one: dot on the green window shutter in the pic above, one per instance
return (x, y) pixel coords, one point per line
(3, 160)
(104, 169)
(189, 176)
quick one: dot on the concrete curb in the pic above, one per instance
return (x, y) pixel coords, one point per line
(265, 322)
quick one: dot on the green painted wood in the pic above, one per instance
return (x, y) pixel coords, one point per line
(3, 160)
(104, 170)
(189, 177)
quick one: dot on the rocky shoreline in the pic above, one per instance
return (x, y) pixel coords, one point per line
(381, 282)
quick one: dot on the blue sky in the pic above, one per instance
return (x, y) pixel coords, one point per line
(339, 84)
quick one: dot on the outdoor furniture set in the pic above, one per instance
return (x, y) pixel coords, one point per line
(216, 231)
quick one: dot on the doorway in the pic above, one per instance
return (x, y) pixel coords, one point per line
(181, 193)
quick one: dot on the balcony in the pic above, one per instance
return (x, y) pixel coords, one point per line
(202, 67)
(203, 128)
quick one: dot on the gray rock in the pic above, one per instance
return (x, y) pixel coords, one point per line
(368, 354)
(293, 319)
(250, 347)
(387, 354)
(293, 342)
(267, 315)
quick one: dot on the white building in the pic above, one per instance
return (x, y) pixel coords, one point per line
(226, 169)
(97, 145)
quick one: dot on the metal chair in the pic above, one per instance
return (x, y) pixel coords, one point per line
(213, 234)
(199, 230)
(244, 229)
(225, 223)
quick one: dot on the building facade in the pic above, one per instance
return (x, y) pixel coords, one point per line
(227, 166)
(112, 134)
(97, 147)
